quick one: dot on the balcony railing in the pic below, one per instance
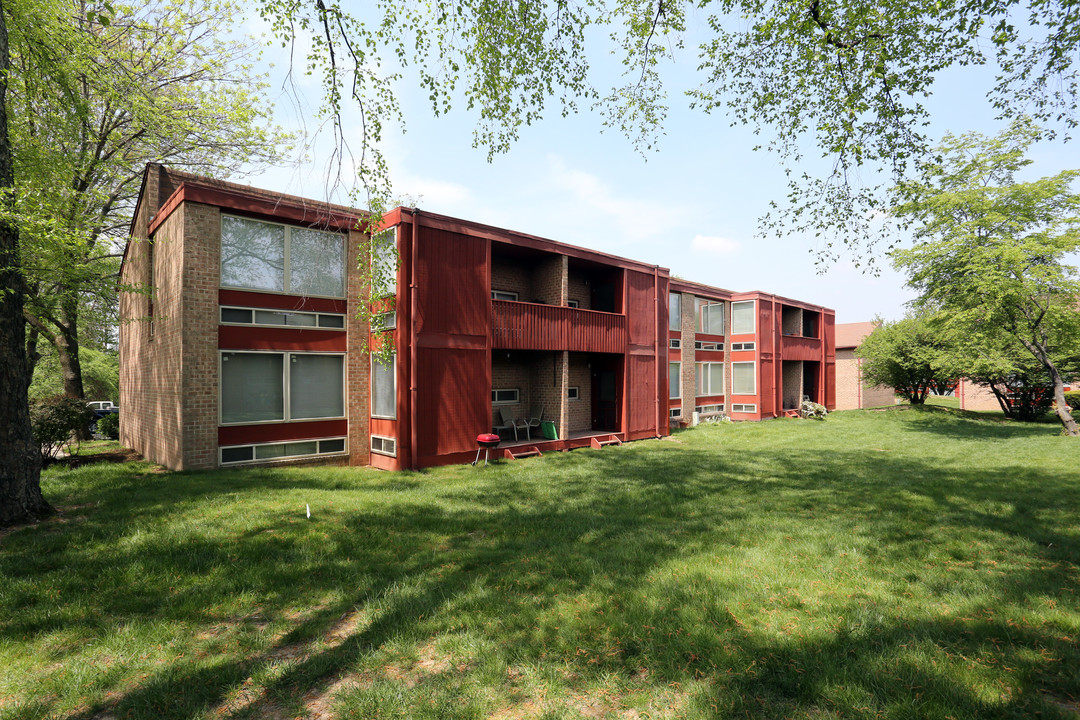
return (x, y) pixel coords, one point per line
(531, 326)
(797, 347)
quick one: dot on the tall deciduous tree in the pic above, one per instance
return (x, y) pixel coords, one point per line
(20, 464)
(992, 252)
(848, 77)
(157, 81)
(910, 356)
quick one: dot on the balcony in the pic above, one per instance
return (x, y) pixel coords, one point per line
(531, 326)
(797, 347)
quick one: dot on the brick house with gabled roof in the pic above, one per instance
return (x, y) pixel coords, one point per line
(248, 347)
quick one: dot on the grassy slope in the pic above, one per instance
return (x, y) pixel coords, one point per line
(906, 563)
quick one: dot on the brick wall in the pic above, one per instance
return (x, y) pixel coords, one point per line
(150, 345)
(358, 364)
(688, 371)
(977, 397)
(509, 373)
(510, 276)
(577, 288)
(199, 392)
(791, 320)
(579, 412)
(792, 371)
(849, 395)
(549, 281)
(547, 375)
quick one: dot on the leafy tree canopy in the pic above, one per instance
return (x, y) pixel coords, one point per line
(910, 356)
(992, 253)
(849, 76)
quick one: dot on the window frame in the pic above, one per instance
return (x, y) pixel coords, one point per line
(284, 458)
(743, 347)
(753, 375)
(753, 317)
(286, 360)
(508, 293)
(708, 375)
(573, 304)
(674, 344)
(393, 374)
(382, 450)
(702, 307)
(285, 261)
(677, 366)
(744, 408)
(317, 326)
(674, 318)
(573, 393)
(516, 401)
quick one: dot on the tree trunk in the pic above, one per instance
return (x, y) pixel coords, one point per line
(20, 462)
(1042, 354)
(67, 346)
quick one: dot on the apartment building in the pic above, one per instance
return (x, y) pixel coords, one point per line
(245, 346)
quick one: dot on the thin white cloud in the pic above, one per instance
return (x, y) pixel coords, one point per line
(714, 244)
(635, 218)
(437, 195)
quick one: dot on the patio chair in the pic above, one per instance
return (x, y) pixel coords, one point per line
(509, 422)
(535, 417)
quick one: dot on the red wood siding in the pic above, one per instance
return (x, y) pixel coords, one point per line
(794, 347)
(641, 394)
(530, 326)
(453, 297)
(234, 337)
(245, 298)
(454, 400)
(829, 321)
(641, 309)
(277, 432)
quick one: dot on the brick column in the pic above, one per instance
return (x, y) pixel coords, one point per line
(688, 388)
(358, 364)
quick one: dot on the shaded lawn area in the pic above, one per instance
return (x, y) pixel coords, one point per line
(911, 563)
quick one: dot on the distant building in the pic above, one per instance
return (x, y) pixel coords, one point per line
(248, 348)
(852, 393)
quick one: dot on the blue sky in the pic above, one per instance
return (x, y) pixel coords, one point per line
(692, 206)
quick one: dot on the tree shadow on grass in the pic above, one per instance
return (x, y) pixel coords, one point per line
(573, 575)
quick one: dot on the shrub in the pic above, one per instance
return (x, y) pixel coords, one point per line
(54, 420)
(813, 410)
(1072, 398)
(109, 426)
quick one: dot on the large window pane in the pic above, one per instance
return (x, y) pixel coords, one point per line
(384, 259)
(315, 389)
(383, 389)
(252, 254)
(742, 317)
(710, 378)
(674, 311)
(711, 317)
(743, 379)
(316, 263)
(251, 387)
(674, 379)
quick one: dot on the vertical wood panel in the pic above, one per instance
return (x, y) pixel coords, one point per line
(640, 308)
(451, 274)
(641, 389)
(454, 401)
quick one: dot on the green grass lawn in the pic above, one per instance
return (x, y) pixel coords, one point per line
(906, 563)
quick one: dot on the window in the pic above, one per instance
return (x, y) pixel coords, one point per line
(504, 295)
(281, 387)
(742, 317)
(674, 311)
(573, 303)
(572, 393)
(259, 255)
(384, 388)
(709, 409)
(504, 396)
(274, 451)
(384, 260)
(383, 445)
(744, 408)
(384, 321)
(675, 413)
(674, 344)
(743, 379)
(708, 345)
(674, 379)
(710, 317)
(710, 378)
(742, 346)
(281, 318)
